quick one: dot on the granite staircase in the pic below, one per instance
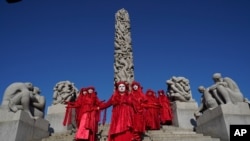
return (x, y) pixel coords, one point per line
(166, 133)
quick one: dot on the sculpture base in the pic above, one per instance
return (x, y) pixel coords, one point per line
(183, 114)
(20, 126)
(55, 116)
(216, 122)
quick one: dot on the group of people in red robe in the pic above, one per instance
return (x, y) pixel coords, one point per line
(133, 112)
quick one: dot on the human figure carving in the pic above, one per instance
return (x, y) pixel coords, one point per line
(38, 103)
(123, 65)
(207, 101)
(64, 92)
(21, 96)
(225, 90)
(179, 89)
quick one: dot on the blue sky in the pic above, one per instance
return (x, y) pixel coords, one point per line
(48, 41)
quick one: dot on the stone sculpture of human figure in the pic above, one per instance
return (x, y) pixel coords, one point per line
(178, 89)
(225, 90)
(18, 97)
(207, 101)
(64, 92)
(38, 103)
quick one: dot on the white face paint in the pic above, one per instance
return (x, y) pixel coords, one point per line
(90, 91)
(135, 87)
(84, 92)
(121, 88)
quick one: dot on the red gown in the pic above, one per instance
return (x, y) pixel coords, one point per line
(87, 117)
(122, 117)
(165, 111)
(152, 113)
(78, 109)
(138, 99)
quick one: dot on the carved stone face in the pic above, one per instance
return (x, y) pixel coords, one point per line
(135, 87)
(121, 88)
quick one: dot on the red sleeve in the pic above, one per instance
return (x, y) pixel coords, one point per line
(107, 104)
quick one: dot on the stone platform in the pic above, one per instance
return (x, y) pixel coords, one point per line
(216, 122)
(183, 114)
(55, 116)
(20, 126)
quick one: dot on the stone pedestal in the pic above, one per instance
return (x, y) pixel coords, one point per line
(20, 126)
(55, 116)
(216, 122)
(183, 114)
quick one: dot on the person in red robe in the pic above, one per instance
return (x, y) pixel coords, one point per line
(78, 109)
(165, 110)
(88, 115)
(122, 113)
(138, 99)
(152, 114)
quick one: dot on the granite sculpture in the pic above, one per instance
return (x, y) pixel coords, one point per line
(178, 89)
(64, 91)
(123, 62)
(24, 96)
(223, 91)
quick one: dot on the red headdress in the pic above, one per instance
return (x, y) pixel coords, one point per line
(121, 82)
(161, 91)
(136, 83)
(91, 87)
(82, 89)
(150, 90)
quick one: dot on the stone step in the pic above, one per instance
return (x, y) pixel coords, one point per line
(166, 133)
(60, 137)
(175, 135)
(170, 132)
(173, 128)
(203, 138)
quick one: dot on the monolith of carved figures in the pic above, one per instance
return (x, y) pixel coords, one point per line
(123, 63)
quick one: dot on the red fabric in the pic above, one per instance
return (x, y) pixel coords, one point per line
(165, 111)
(152, 114)
(67, 118)
(87, 115)
(122, 116)
(138, 98)
(82, 132)
(124, 136)
(78, 108)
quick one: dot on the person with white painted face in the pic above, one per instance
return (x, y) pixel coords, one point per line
(122, 113)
